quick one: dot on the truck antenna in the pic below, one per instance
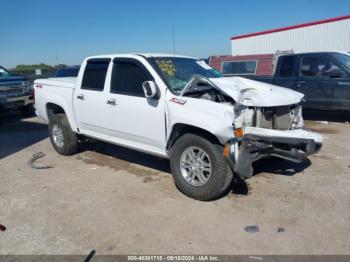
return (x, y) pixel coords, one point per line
(173, 34)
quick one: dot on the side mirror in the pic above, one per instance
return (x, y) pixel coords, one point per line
(150, 89)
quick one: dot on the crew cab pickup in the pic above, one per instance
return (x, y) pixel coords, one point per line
(15, 92)
(176, 107)
(323, 77)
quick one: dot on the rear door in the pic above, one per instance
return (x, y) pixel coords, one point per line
(285, 72)
(89, 99)
(132, 119)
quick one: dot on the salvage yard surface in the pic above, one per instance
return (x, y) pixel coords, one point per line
(118, 201)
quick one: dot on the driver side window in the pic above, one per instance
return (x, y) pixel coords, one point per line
(313, 66)
(127, 78)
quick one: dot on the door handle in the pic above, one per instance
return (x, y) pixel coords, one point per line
(112, 102)
(300, 83)
(80, 96)
(343, 83)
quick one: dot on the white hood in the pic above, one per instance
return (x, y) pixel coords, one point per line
(253, 93)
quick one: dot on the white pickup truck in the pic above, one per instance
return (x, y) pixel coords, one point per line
(179, 108)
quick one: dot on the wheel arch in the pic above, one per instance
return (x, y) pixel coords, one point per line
(53, 108)
(179, 129)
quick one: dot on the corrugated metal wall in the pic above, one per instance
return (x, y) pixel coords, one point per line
(332, 36)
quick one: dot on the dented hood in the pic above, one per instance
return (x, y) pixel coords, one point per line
(253, 93)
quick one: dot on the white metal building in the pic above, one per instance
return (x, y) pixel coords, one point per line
(325, 35)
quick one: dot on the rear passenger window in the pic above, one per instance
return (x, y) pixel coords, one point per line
(239, 67)
(127, 78)
(287, 66)
(95, 74)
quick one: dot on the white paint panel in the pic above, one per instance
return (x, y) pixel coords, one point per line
(332, 36)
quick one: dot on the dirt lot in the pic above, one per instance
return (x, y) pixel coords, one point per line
(118, 201)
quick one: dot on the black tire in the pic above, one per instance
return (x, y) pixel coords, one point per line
(28, 110)
(220, 178)
(70, 139)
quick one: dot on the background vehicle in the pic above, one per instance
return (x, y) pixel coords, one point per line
(243, 65)
(323, 77)
(178, 108)
(68, 71)
(15, 92)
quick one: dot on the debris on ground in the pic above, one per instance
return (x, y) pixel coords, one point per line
(35, 157)
(323, 122)
(251, 229)
(255, 257)
(90, 256)
(2, 228)
(280, 230)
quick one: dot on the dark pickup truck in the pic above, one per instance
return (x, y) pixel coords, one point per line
(323, 77)
(15, 92)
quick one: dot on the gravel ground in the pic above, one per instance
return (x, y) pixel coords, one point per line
(119, 201)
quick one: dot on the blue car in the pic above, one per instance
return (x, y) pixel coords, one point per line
(68, 71)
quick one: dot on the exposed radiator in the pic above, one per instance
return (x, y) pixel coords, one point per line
(273, 117)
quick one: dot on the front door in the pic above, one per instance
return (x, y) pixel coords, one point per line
(318, 81)
(133, 119)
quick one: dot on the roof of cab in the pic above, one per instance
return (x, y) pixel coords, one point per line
(147, 55)
(315, 53)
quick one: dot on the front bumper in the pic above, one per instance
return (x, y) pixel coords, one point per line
(252, 147)
(17, 101)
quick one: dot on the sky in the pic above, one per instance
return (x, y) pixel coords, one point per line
(66, 31)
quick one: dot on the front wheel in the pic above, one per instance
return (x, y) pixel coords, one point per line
(199, 168)
(63, 139)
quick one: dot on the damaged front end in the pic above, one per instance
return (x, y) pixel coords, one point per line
(267, 120)
(269, 131)
(253, 147)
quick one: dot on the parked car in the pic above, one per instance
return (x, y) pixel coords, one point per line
(323, 77)
(180, 108)
(15, 92)
(68, 71)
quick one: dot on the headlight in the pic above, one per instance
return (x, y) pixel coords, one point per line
(27, 86)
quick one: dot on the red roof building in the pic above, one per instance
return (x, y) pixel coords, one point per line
(324, 35)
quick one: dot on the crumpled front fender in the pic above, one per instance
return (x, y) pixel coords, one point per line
(253, 147)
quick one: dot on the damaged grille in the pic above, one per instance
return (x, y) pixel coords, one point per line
(279, 117)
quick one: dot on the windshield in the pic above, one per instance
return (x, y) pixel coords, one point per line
(343, 58)
(178, 71)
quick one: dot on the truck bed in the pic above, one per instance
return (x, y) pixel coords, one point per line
(56, 91)
(68, 82)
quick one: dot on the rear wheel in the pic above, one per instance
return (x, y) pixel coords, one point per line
(199, 168)
(63, 139)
